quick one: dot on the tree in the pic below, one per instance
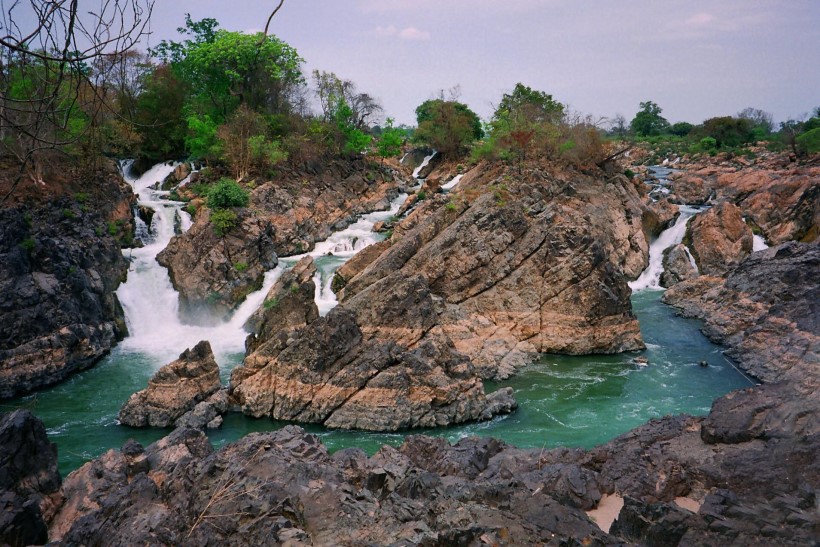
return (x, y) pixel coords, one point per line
(761, 121)
(648, 122)
(618, 125)
(447, 126)
(681, 129)
(727, 131)
(330, 89)
(390, 140)
(158, 115)
(530, 105)
(48, 100)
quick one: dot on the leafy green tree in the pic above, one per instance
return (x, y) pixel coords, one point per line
(760, 121)
(681, 129)
(390, 141)
(227, 193)
(809, 142)
(530, 104)
(159, 115)
(648, 122)
(447, 126)
(727, 131)
(350, 139)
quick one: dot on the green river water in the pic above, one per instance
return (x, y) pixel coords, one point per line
(563, 401)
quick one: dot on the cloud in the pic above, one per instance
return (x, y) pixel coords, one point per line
(409, 33)
(700, 19)
(412, 33)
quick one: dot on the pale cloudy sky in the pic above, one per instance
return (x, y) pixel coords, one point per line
(695, 58)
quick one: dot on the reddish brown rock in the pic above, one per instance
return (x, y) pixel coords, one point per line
(719, 239)
(174, 390)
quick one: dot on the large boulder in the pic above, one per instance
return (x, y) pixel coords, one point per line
(677, 266)
(214, 272)
(29, 480)
(174, 390)
(288, 305)
(719, 239)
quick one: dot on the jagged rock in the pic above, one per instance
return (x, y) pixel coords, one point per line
(357, 263)
(765, 311)
(677, 266)
(29, 480)
(213, 273)
(415, 157)
(288, 305)
(719, 238)
(519, 267)
(207, 413)
(658, 216)
(174, 390)
(371, 364)
(59, 270)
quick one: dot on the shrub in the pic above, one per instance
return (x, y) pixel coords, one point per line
(68, 213)
(271, 303)
(809, 142)
(81, 197)
(223, 220)
(240, 266)
(227, 193)
(28, 244)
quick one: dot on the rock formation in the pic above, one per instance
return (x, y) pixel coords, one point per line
(518, 264)
(174, 390)
(377, 363)
(677, 266)
(288, 305)
(29, 481)
(214, 273)
(285, 217)
(59, 270)
(719, 239)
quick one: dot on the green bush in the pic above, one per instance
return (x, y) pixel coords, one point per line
(809, 142)
(223, 220)
(81, 197)
(28, 244)
(227, 193)
(240, 266)
(271, 303)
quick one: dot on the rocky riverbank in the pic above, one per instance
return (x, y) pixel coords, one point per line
(60, 265)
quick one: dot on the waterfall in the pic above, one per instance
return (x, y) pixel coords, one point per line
(650, 278)
(758, 243)
(422, 165)
(150, 302)
(452, 183)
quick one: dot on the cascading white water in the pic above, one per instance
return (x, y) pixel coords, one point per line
(650, 278)
(149, 300)
(423, 164)
(758, 243)
(452, 183)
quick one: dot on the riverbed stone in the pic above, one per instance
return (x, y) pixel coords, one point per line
(677, 266)
(719, 239)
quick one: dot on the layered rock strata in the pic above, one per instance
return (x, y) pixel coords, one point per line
(523, 264)
(377, 363)
(719, 239)
(174, 390)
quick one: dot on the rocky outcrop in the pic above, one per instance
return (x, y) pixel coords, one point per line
(29, 480)
(765, 311)
(288, 305)
(677, 266)
(59, 270)
(215, 272)
(377, 363)
(719, 239)
(518, 264)
(174, 390)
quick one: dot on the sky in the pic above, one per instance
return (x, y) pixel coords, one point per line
(696, 59)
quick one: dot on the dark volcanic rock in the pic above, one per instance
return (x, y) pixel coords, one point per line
(59, 268)
(29, 480)
(174, 390)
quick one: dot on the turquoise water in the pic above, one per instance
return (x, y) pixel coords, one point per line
(564, 401)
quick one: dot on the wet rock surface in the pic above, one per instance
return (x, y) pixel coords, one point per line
(677, 266)
(174, 390)
(29, 481)
(59, 268)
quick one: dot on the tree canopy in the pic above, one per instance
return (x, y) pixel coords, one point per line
(648, 122)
